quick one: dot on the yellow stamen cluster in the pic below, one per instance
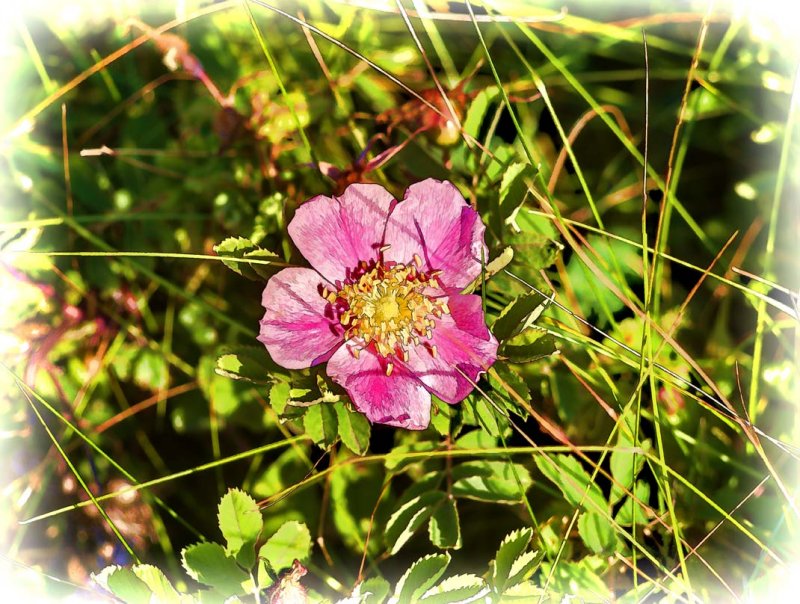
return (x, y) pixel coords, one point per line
(386, 306)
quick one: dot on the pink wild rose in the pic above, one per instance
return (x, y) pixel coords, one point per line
(383, 305)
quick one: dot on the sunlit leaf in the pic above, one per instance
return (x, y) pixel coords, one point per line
(420, 577)
(353, 429)
(240, 522)
(209, 564)
(496, 481)
(511, 548)
(409, 517)
(444, 528)
(289, 543)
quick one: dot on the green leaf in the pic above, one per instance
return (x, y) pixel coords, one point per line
(150, 370)
(569, 476)
(528, 591)
(124, 584)
(253, 262)
(354, 490)
(208, 564)
(583, 580)
(523, 567)
(320, 423)
(505, 384)
(441, 413)
(279, 396)
(597, 532)
(354, 429)
(371, 591)
(514, 187)
(511, 548)
(289, 543)
(444, 528)
(459, 588)
(625, 465)
(162, 589)
(496, 481)
(408, 518)
(593, 294)
(631, 510)
(240, 522)
(529, 345)
(492, 268)
(515, 316)
(249, 363)
(487, 417)
(420, 577)
(477, 110)
(397, 459)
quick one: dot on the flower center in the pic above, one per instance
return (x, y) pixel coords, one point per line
(386, 309)
(389, 306)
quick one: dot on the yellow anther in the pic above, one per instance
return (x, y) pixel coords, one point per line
(389, 369)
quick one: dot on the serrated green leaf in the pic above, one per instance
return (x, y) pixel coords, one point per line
(573, 481)
(240, 522)
(124, 584)
(162, 589)
(597, 532)
(372, 591)
(320, 423)
(289, 543)
(208, 564)
(459, 588)
(514, 316)
(354, 429)
(511, 548)
(523, 566)
(630, 509)
(249, 260)
(409, 517)
(250, 363)
(420, 577)
(444, 528)
(526, 592)
(279, 396)
(531, 344)
(495, 481)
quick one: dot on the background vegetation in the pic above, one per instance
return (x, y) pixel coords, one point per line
(638, 432)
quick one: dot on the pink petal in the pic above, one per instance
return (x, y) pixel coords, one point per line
(397, 400)
(463, 342)
(436, 223)
(295, 328)
(335, 233)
